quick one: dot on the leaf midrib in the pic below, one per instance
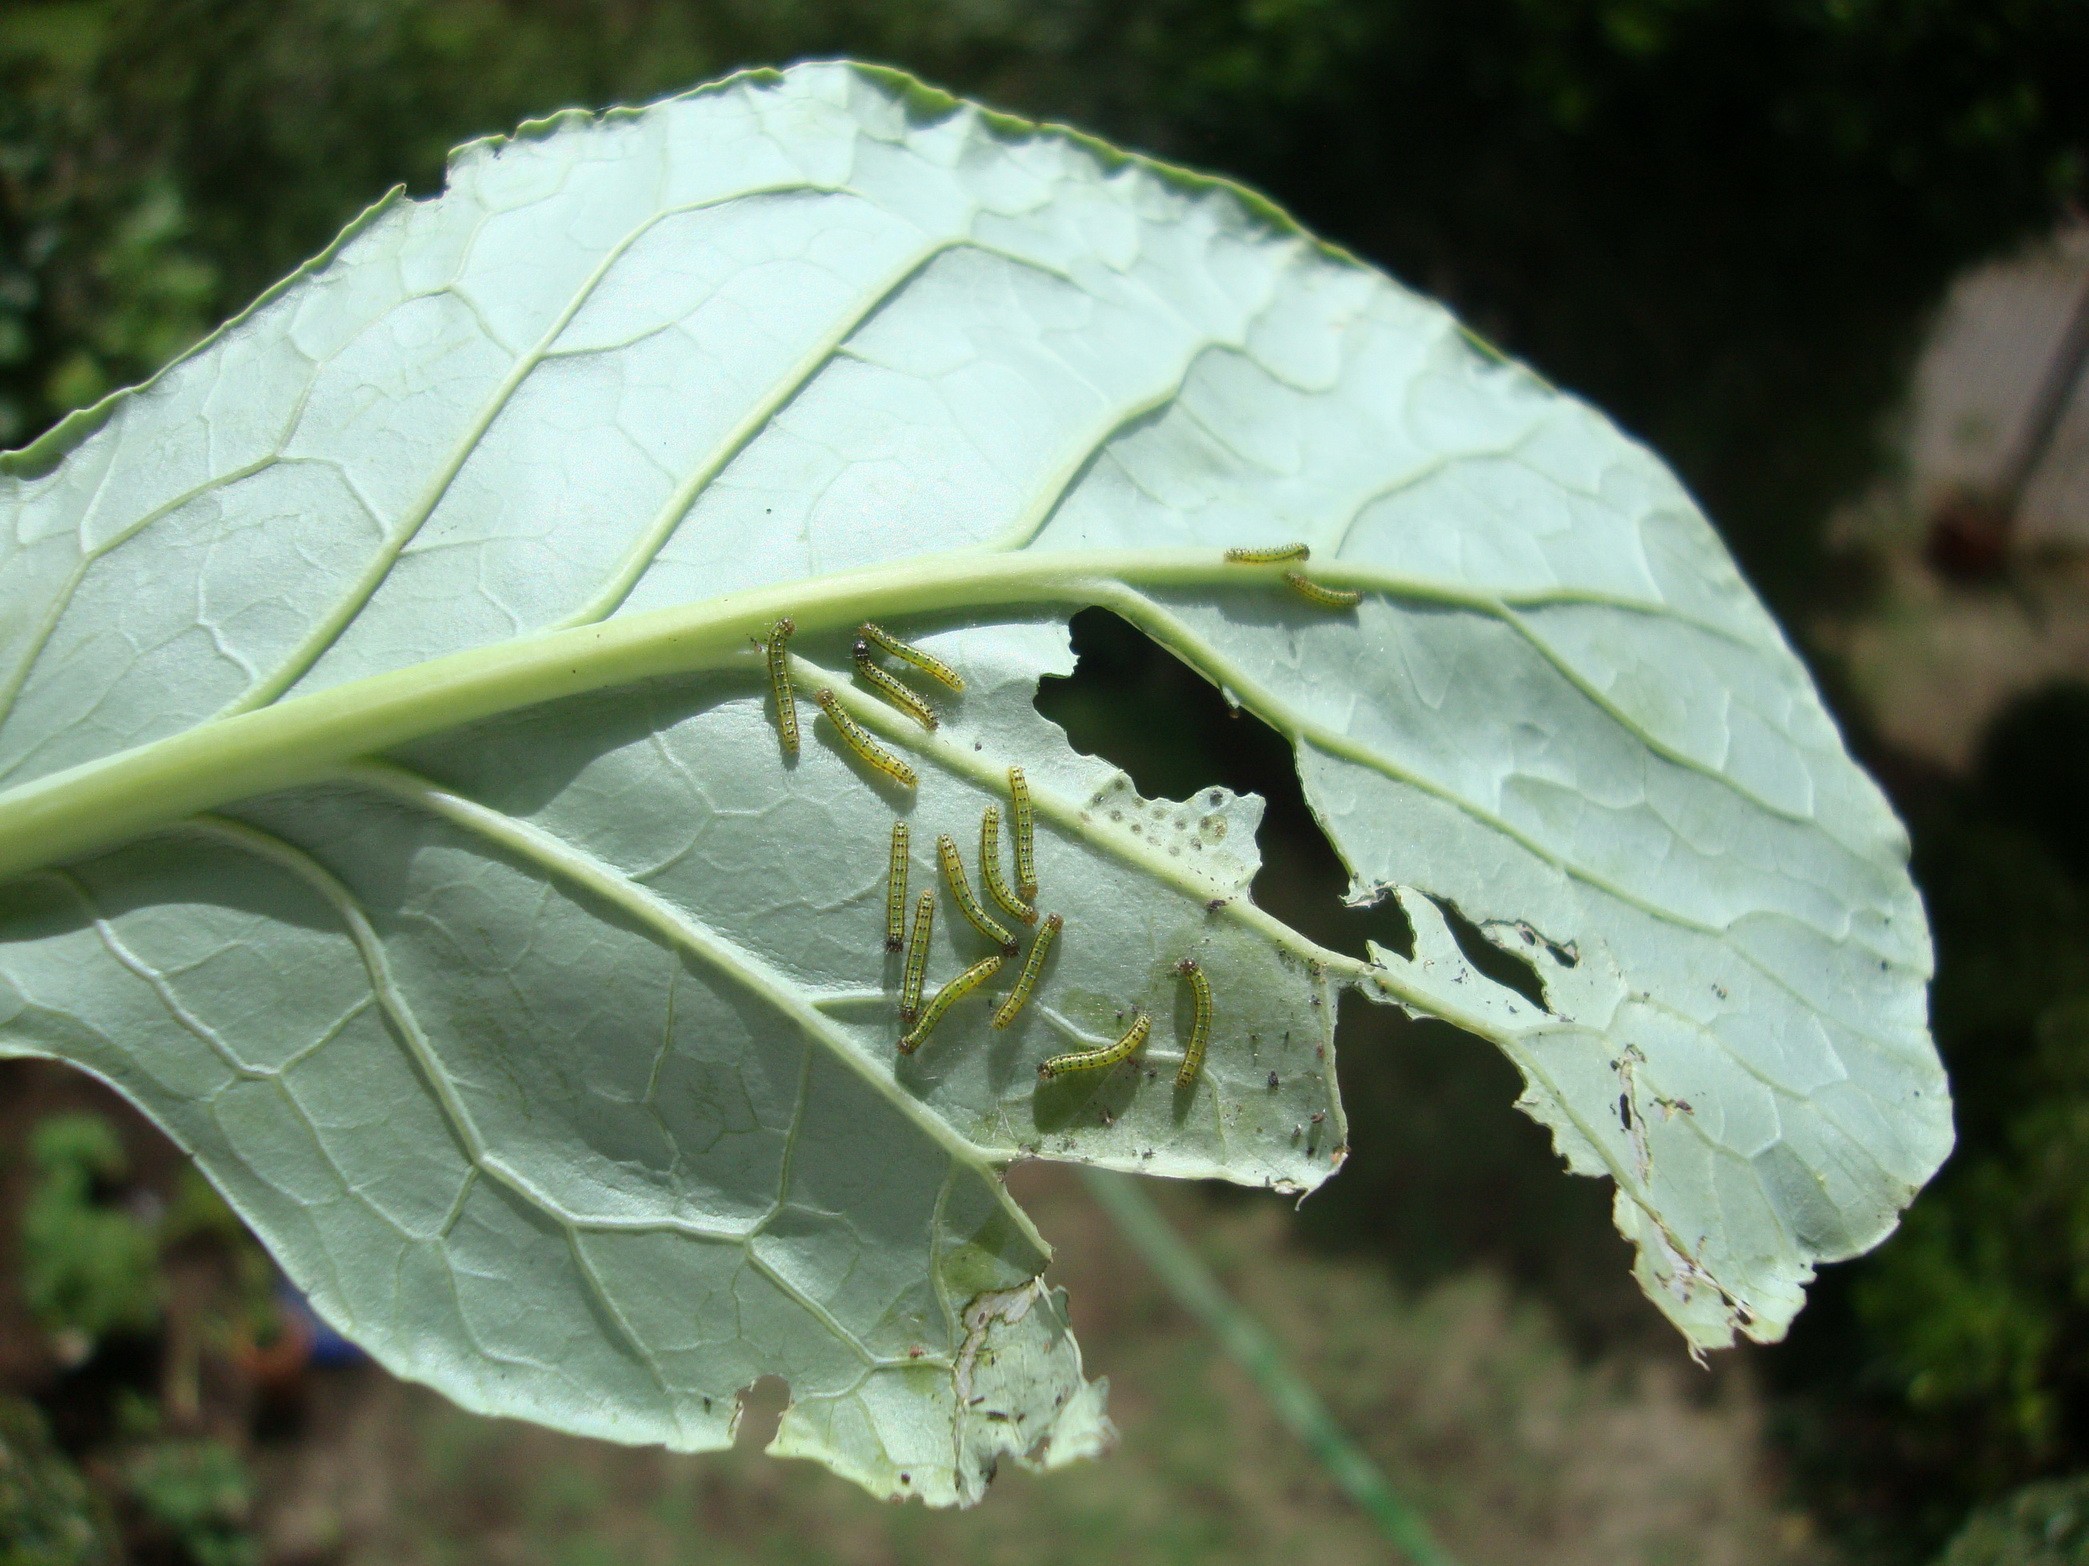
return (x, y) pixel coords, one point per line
(99, 803)
(306, 738)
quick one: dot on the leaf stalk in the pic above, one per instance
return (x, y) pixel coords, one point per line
(301, 739)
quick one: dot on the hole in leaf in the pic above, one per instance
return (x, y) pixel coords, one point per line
(1134, 704)
(762, 1405)
(1506, 967)
(1446, 1181)
(1443, 1176)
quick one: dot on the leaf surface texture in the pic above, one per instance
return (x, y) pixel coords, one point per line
(393, 806)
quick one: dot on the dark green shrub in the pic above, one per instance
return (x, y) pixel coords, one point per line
(88, 1269)
(47, 1515)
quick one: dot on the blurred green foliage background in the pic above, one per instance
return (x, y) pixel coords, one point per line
(1724, 221)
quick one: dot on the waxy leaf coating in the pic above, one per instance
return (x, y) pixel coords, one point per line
(391, 803)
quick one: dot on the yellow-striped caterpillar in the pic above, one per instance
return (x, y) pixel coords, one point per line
(1326, 597)
(968, 905)
(1033, 965)
(896, 891)
(780, 683)
(1271, 556)
(891, 689)
(1200, 1024)
(1099, 1058)
(860, 741)
(1025, 819)
(917, 958)
(990, 867)
(956, 990)
(927, 662)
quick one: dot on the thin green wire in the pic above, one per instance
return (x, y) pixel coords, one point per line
(1256, 1352)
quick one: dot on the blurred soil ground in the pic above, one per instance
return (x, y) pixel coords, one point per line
(1517, 1447)
(1469, 1400)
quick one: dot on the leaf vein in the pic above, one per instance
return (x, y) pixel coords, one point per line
(332, 626)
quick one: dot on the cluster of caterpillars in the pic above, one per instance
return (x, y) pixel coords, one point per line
(1018, 901)
(776, 648)
(1297, 580)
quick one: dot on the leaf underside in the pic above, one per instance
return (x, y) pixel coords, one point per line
(393, 806)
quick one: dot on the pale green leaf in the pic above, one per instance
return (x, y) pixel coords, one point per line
(393, 810)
